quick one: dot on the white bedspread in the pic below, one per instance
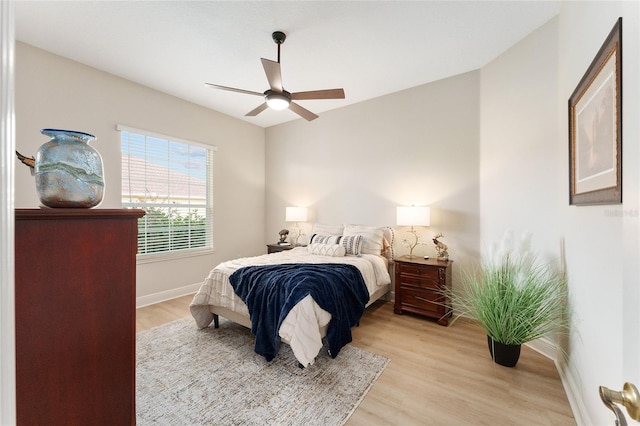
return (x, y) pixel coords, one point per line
(306, 323)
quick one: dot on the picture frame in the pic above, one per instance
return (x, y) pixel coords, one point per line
(595, 128)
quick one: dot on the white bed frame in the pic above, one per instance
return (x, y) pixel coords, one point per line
(219, 311)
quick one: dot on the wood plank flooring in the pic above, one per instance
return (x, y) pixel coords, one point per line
(437, 375)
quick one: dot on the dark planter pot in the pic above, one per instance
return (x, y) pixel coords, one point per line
(506, 355)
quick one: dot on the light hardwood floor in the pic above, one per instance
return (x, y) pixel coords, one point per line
(437, 375)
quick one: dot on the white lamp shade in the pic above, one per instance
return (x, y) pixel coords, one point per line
(413, 216)
(296, 214)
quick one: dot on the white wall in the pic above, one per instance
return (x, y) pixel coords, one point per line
(524, 186)
(520, 177)
(52, 91)
(358, 163)
(602, 241)
(522, 183)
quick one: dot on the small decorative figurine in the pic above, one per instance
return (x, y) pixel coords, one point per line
(283, 236)
(441, 248)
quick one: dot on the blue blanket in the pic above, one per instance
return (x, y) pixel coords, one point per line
(271, 291)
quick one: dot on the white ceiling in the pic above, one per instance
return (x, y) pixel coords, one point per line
(370, 48)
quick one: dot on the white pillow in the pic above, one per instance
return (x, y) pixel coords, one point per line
(319, 228)
(373, 238)
(333, 250)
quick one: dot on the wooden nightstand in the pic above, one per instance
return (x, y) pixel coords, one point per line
(417, 284)
(275, 248)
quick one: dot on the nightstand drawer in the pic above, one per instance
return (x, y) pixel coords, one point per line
(414, 281)
(419, 271)
(424, 300)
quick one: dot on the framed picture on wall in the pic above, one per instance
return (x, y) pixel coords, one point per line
(595, 128)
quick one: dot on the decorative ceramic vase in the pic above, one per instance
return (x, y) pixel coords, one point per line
(506, 355)
(68, 171)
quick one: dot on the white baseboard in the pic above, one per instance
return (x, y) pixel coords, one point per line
(578, 409)
(544, 347)
(573, 393)
(150, 299)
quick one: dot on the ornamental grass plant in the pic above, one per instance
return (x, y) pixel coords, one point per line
(515, 298)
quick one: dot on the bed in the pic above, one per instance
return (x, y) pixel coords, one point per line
(369, 249)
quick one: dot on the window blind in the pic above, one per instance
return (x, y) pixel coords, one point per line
(172, 180)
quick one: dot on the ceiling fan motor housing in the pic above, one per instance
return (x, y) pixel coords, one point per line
(279, 37)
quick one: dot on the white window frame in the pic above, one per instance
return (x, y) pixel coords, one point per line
(182, 253)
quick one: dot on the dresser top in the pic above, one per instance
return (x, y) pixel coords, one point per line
(46, 213)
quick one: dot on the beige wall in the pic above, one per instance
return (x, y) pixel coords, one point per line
(54, 92)
(358, 163)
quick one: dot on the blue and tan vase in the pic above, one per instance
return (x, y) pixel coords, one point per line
(68, 171)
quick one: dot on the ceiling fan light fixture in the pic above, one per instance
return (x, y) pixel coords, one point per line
(277, 101)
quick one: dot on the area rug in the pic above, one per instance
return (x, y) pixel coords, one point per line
(187, 376)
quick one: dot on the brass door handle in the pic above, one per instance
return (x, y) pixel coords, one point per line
(628, 397)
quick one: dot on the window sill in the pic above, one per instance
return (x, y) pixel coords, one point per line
(164, 257)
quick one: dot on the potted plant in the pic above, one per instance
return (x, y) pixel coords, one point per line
(515, 298)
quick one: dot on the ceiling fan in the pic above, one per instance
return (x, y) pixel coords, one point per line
(276, 97)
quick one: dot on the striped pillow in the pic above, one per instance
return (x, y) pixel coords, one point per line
(325, 239)
(352, 244)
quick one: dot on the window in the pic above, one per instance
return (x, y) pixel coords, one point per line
(171, 180)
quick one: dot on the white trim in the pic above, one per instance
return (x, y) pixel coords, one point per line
(7, 216)
(162, 296)
(123, 128)
(574, 395)
(172, 255)
(544, 347)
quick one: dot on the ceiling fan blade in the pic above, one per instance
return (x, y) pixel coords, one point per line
(319, 94)
(257, 110)
(302, 112)
(233, 89)
(272, 70)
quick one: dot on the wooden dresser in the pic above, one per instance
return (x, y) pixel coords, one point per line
(75, 273)
(417, 286)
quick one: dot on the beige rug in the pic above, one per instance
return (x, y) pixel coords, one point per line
(186, 376)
